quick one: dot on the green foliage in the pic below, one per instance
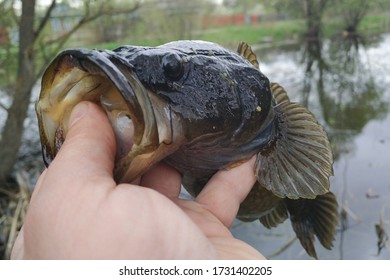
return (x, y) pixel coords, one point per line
(172, 19)
(271, 31)
(351, 12)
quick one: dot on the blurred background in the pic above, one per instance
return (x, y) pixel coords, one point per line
(332, 56)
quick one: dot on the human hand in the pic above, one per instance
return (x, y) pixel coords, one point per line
(77, 211)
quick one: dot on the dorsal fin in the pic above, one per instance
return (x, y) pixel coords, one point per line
(246, 51)
(279, 93)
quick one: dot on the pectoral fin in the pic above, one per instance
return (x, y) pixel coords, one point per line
(297, 163)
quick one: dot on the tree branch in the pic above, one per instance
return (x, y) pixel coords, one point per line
(45, 19)
(87, 18)
(7, 6)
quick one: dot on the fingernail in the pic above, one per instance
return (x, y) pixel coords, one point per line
(78, 112)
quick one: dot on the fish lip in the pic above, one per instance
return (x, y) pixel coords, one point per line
(124, 79)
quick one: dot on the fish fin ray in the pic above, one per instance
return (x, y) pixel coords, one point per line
(298, 162)
(275, 217)
(312, 218)
(246, 51)
(279, 93)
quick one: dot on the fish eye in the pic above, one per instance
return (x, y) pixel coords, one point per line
(173, 66)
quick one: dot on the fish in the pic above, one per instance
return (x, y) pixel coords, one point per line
(200, 108)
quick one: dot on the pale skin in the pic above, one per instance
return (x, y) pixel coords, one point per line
(77, 211)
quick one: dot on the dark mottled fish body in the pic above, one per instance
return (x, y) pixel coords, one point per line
(200, 108)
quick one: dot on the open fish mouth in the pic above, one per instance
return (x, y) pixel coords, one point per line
(141, 122)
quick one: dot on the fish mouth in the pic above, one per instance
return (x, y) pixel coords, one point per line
(142, 122)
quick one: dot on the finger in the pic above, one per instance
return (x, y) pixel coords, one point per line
(226, 190)
(38, 184)
(88, 151)
(18, 248)
(164, 179)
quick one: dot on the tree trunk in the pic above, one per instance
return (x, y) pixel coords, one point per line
(13, 128)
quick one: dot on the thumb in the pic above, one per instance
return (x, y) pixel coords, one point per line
(89, 148)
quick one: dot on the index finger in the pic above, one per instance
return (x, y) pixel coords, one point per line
(225, 191)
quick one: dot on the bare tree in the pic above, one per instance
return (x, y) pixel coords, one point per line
(311, 11)
(13, 128)
(174, 19)
(32, 43)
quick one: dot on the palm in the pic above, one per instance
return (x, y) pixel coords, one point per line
(78, 212)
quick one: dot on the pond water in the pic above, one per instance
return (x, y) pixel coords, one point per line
(345, 82)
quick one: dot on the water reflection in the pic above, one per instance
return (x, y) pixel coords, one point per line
(349, 99)
(340, 75)
(344, 82)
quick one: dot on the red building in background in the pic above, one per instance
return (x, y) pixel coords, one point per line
(224, 20)
(3, 36)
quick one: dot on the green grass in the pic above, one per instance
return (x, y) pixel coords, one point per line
(371, 24)
(375, 23)
(275, 31)
(229, 35)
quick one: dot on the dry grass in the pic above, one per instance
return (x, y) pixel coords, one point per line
(14, 201)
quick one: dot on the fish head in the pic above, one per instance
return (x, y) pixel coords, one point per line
(204, 83)
(142, 123)
(224, 103)
(182, 99)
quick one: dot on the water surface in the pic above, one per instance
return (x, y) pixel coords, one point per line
(346, 83)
